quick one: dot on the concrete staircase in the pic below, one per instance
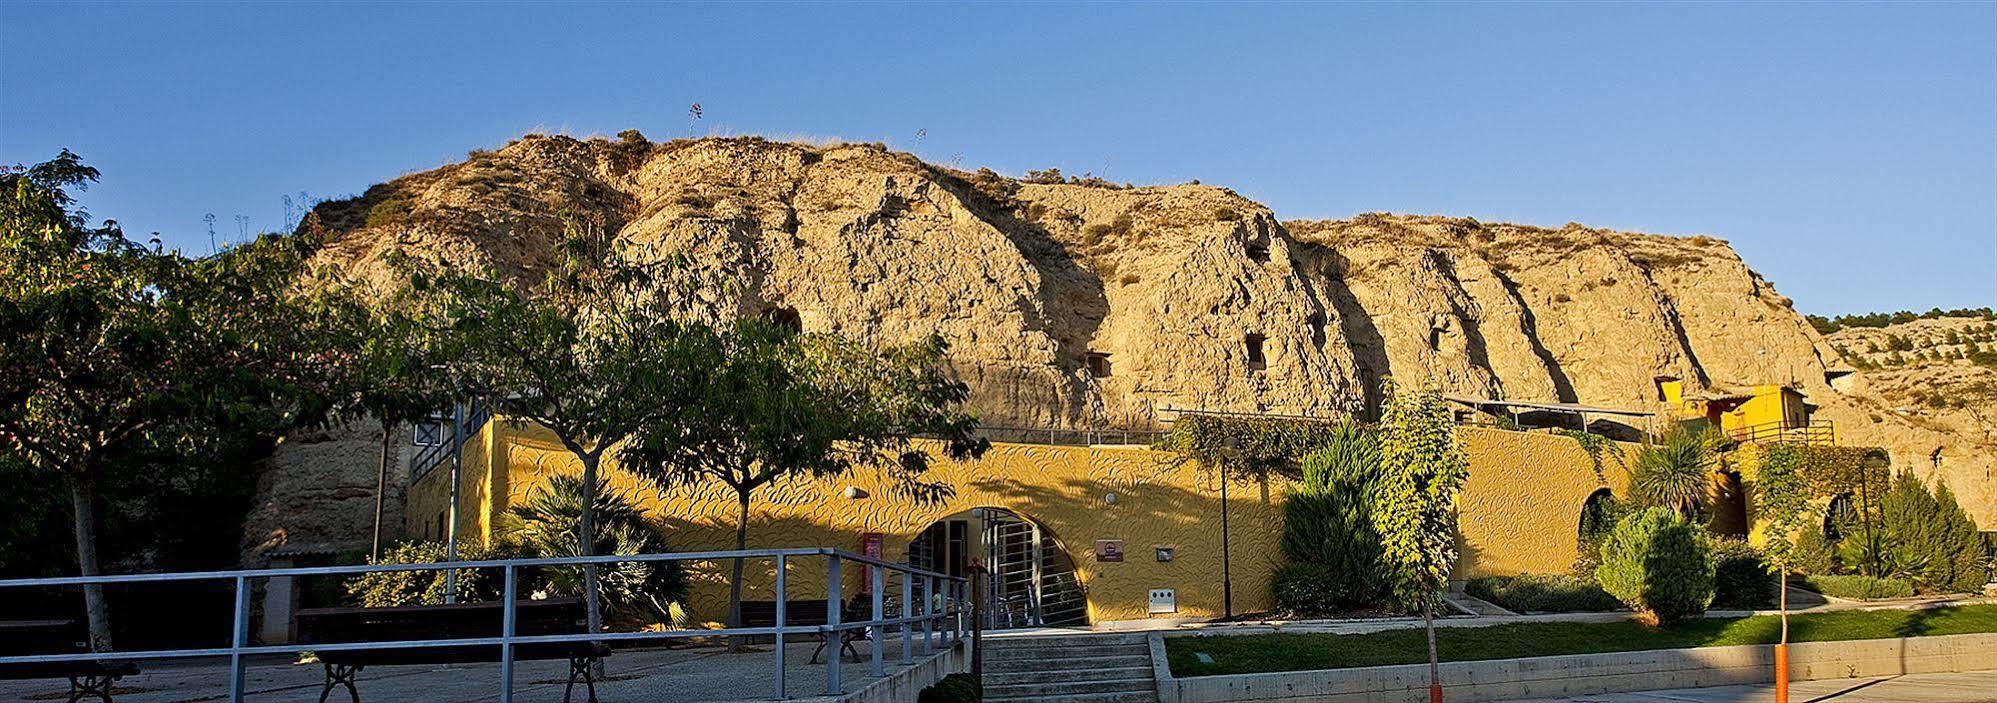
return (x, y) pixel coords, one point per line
(1089, 668)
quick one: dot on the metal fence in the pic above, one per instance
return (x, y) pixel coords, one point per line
(938, 617)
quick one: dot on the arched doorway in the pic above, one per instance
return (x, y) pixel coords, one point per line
(1598, 514)
(1032, 581)
(1729, 500)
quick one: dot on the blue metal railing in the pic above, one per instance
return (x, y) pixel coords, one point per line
(432, 456)
(941, 612)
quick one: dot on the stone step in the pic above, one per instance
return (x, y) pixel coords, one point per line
(1038, 691)
(1006, 666)
(1062, 645)
(1092, 638)
(1111, 650)
(1126, 697)
(1058, 676)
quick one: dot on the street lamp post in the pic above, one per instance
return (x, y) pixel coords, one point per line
(457, 471)
(1226, 554)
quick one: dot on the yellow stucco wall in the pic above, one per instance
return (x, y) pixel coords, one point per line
(1519, 514)
(1521, 507)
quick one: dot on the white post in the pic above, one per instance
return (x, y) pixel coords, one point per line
(239, 638)
(783, 567)
(909, 609)
(508, 627)
(457, 472)
(880, 632)
(833, 590)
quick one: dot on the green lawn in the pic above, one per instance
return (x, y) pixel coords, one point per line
(1247, 654)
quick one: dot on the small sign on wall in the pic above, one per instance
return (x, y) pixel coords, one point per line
(1164, 600)
(1109, 550)
(871, 544)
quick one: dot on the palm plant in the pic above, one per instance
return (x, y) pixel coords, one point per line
(1675, 474)
(545, 525)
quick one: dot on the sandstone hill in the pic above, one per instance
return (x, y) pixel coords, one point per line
(1939, 374)
(1079, 303)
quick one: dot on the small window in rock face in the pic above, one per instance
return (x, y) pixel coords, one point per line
(1258, 252)
(786, 318)
(1098, 363)
(1316, 323)
(1256, 359)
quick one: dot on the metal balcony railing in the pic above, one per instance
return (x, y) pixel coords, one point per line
(1816, 433)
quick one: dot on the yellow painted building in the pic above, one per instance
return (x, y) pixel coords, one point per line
(1520, 513)
(1765, 412)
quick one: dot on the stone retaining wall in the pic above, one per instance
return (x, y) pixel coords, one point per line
(1589, 674)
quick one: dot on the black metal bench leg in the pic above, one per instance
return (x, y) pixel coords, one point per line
(340, 675)
(91, 686)
(580, 669)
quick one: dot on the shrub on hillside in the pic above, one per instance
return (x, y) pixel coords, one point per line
(545, 525)
(1856, 587)
(955, 688)
(389, 589)
(1658, 564)
(1814, 554)
(1543, 593)
(1309, 590)
(1328, 536)
(1929, 540)
(1741, 578)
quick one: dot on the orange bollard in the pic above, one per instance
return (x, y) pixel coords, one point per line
(1781, 673)
(1434, 693)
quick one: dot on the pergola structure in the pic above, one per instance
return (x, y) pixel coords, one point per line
(1519, 412)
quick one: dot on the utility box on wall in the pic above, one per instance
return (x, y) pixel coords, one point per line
(1164, 600)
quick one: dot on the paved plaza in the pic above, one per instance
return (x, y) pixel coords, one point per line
(696, 675)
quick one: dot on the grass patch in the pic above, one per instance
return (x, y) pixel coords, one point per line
(1249, 654)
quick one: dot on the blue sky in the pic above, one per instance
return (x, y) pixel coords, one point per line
(1849, 151)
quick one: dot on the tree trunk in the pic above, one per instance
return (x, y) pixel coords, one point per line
(1434, 662)
(586, 532)
(735, 583)
(380, 490)
(83, 497)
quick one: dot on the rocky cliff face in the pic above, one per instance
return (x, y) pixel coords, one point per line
(1091, 305)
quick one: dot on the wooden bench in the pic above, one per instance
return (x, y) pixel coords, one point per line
(87, 678)
(460, 621)
(811, 612)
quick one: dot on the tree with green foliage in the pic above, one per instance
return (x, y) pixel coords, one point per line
(594, 350)
(1675, 474)
(133, 364)
(1928, 538)
(1659, 564)
(774, 404)
(1422, 470)
(1328, 534)
(1781, 493)
(390, 372)
(545, 525)
(1242, 447)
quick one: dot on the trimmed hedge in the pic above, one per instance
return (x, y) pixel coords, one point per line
(1543, 593)
(1860, 587)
